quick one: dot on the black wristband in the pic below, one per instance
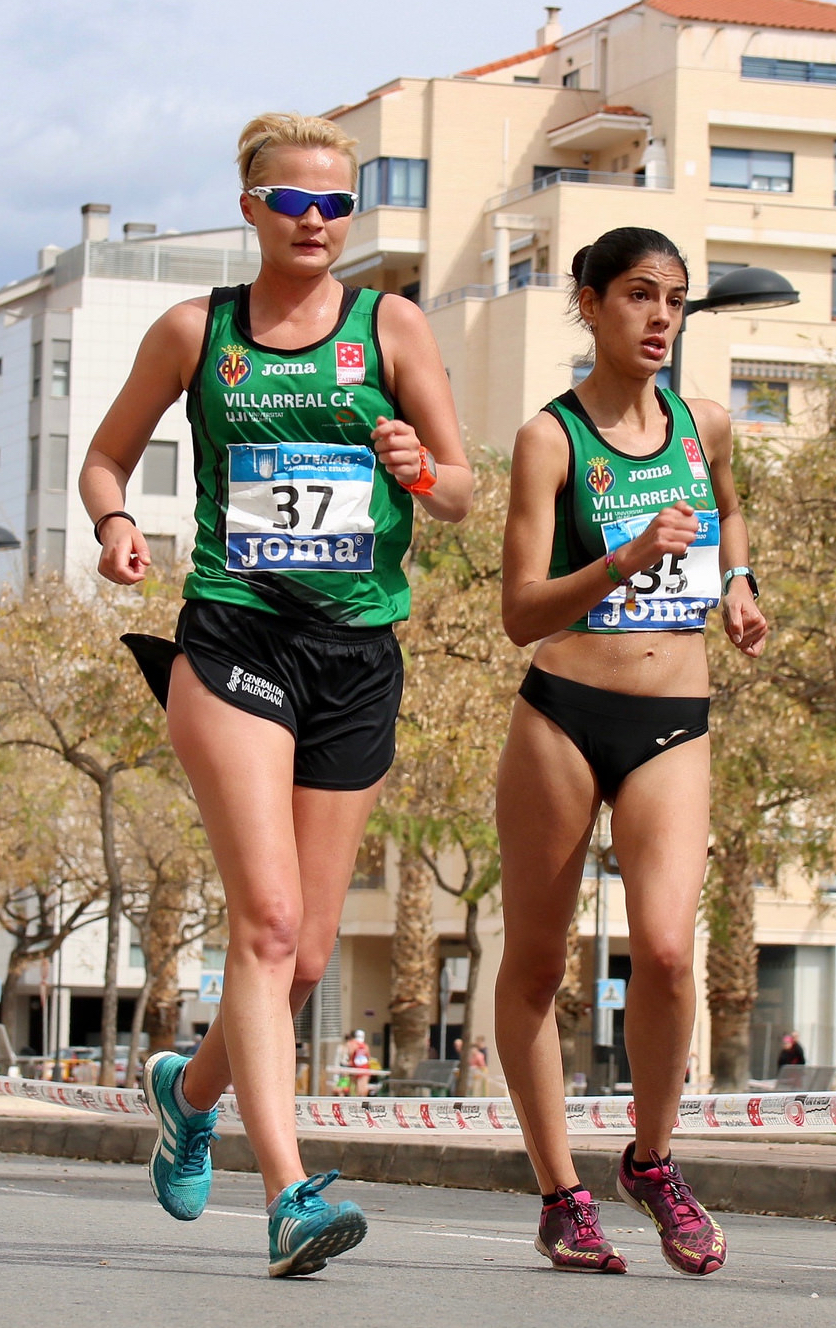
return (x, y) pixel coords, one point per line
(107, 517)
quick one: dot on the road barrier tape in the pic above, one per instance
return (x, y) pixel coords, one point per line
(772, 1113)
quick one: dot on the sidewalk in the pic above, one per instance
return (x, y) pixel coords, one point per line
(743, 1174)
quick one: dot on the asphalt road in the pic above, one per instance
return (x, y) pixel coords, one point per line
(84, 1243)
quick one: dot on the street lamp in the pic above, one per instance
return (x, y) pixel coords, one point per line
(742, 288)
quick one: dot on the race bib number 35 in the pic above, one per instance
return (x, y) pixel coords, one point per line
(300, 507)
(676, 592)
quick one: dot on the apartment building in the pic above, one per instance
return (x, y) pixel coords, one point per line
(715, 123)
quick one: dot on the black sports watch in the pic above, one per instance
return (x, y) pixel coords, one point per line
(741, 571)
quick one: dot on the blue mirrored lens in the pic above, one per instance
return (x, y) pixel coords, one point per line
(295, 203)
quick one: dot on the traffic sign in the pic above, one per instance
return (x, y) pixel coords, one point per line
(610, 993)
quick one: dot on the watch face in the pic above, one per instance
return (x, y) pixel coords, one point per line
(430, 464)
(753, 585)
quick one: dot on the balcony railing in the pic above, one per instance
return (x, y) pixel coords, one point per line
(576, 175)
(542, 280)
(184, 264)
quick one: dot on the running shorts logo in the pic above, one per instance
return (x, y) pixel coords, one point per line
(233, 367)
(599, 475)
(351, 362)
(234, 678)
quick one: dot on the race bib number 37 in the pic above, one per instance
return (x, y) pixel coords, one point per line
(300, 507)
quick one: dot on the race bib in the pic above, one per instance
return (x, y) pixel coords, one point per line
(676, 592)
(300, 507)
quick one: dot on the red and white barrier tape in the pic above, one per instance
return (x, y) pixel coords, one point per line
(772, 1113)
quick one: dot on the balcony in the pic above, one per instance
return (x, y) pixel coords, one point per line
(575, 175)
(541, 280)
(390, 237)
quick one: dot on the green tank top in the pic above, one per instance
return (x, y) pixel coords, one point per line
(610, 498)
(294, 513)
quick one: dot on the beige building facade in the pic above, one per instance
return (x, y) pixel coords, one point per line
(714, 123)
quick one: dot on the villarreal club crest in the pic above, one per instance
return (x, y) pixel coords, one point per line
(233, 367)
(599, 475)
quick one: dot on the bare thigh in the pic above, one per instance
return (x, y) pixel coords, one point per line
(241, 770)
(547, 802)
(660, 828)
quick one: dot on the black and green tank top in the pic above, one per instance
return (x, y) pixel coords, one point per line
(610, 498)
(294, 513)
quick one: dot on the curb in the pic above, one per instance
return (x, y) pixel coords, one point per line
(725, 1184)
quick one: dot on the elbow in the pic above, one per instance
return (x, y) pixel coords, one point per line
(517, 631)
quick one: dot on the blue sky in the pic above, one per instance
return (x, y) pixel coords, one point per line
(138, 103)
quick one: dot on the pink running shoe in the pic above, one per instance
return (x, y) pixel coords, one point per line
(692, 1242)
(571, 1236)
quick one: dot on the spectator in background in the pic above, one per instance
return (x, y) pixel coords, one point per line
(792, 1052)
(359, 1058)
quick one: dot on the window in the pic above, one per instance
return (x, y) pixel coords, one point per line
(759, 400)
(56, 463)
(159, 467)
(37, 363)
(572, 79)
(34, 462)
(54, 551)
(544, 176)
(717, 270)
(748, 168)
(394, 181)
(163, 550)
(214, 956)
(519, 274)
(60, 384)
(787, 71)
(581, 369)
(526, 78)
(136, 958)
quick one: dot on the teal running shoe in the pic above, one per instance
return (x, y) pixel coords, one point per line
(180, 1166)
(305, 1231)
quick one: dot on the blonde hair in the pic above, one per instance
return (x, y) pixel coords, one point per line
(290, 129)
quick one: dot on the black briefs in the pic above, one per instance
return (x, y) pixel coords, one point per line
(615, 731)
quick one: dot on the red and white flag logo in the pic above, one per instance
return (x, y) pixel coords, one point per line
(692, 451)
(351, 363)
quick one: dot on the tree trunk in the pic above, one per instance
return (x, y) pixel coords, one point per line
(11, 982)
(413, 974)
(161, 960)
(732, 973)
(474, 950)
(570, 1003)
(136, 1028)
(110, 998)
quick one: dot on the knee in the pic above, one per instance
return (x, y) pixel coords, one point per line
(533, 979)
(310, 968)
(268, 935)
(666, 963)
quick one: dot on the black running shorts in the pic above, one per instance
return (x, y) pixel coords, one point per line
(337, 689)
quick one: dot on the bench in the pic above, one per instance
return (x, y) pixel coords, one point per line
(797, 1079)
(433, 1078)
(804, 1078)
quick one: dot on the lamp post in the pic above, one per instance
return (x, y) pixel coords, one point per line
(744, 288)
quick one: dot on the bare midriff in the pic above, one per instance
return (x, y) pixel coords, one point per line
(638, 663)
